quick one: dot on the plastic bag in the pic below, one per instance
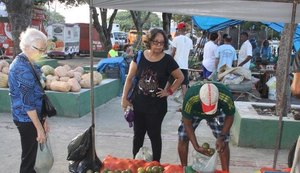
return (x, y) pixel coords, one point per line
(144, 154)
(129, 115)
(242, 71)
(271, 83)
(232, 79)
(85, 165)
(203, 163)
(44, 158)
(81, 150)
(79, 146)
(213, 76)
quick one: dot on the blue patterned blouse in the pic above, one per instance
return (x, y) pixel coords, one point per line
(24, 90)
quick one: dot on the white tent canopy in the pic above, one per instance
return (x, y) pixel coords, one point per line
(249, 10)
(281, 11)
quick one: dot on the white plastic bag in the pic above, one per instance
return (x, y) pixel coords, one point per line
(232, 79)
(144, 154)
(44, 158)
(203, 163)
(271, 83)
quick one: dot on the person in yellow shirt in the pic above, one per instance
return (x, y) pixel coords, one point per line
(114, 51)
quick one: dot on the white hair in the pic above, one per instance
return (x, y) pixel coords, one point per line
(29, 37)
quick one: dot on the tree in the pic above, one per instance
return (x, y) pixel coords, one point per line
(19, 15)
(167, 22)
(124, 19)
(179, 18)
(139, 22)
(152, 22)
(53, 17)
(104, 30)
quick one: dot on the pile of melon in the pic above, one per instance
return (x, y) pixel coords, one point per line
(65, 79)
(4, 68)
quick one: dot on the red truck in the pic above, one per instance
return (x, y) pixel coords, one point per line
(84, 46)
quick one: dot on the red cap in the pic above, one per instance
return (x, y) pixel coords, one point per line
(181, 25)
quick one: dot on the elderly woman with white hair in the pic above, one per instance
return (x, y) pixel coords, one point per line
(26, 96)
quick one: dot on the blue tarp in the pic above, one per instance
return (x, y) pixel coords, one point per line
(113, 62)
(212, 24)
(279, 28)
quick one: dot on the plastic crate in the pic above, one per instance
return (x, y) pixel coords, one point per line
(112, 72)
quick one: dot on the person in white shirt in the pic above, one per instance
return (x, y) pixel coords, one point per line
(245, 53)
(226, 53)
(209, 55)
(182, 45)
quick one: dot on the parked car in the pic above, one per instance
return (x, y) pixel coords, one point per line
(118, 36)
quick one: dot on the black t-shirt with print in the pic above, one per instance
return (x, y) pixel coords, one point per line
(151, 76)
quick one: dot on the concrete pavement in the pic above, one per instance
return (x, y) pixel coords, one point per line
(114, 137)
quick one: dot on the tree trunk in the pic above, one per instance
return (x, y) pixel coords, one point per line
(19, 15)
(104, 30)
(139, 22)
(167, 22)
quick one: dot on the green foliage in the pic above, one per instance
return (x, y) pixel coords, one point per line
(252, 26)
(124, 19)
(152, 22)
(72, 2)
(40, 2)
(53, 17)
(179, 18)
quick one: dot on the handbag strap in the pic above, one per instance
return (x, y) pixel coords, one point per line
(36, 76)
(138, 59)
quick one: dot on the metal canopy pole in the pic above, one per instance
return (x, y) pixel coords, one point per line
(282, 74)
(92, 106)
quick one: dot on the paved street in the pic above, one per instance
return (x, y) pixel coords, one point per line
(114, 137)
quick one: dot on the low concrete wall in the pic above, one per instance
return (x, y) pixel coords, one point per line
(72, 104)
(252, 130)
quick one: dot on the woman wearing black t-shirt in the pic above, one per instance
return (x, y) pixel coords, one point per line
(150, 95)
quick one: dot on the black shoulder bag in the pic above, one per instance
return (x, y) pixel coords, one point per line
(48, 110)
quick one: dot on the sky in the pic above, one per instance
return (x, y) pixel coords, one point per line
(72, 15)
(76, 14)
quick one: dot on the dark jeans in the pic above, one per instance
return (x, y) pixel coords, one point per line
(150, 123)
(28, 136)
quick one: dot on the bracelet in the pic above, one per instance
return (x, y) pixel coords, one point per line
(170, 92)
(223, 136)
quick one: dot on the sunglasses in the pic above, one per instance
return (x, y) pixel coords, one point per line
(157, 43)
(40, 50)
